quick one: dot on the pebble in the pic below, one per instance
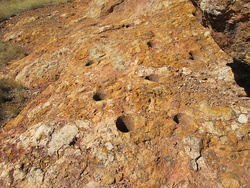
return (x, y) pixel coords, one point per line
(62, 138)
(186, 71)
(109, 146)
(207, 33)
(193, 165)
(243, 118)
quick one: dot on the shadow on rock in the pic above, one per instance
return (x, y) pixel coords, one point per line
(241, 72)
(13, 97)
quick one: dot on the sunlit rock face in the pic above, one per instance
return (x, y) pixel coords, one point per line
(125, 94)
(230, 23)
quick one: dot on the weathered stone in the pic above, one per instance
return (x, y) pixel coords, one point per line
(192, 147)
(230, 23)
(109, 146)
(19, 176)
(228, 181)
(35, 176)
(243, 118)
(125, 94)
(193, 165)
(62, 138)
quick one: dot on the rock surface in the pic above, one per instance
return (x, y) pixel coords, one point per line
(230, 22)
(131, 94)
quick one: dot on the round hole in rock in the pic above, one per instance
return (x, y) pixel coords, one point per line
(150, 44)
(152, 77)
(89, 63)
(121, 125)
(97, 97)
(176, 119)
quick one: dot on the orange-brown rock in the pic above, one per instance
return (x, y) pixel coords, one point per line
(131, 94)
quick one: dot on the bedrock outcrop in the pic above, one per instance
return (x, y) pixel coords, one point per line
(229, 21)
(125, 94)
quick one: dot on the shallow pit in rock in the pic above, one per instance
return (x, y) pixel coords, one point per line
(89, 63)
(98, 96)
(150, 44)
(153, 77)
(124, 124)
(176, 119)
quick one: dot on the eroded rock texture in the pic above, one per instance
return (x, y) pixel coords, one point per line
(229, 20)
(131, 94)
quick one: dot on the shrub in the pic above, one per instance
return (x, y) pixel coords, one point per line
(12, 98)
(9, 52)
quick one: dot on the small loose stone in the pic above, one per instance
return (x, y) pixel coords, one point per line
(186, 71)
(109, 146)
(234, 127)
(193, 165)
(207, 33)
(243, 118)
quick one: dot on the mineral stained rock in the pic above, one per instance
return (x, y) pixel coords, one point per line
(230, 22)
(131, 94)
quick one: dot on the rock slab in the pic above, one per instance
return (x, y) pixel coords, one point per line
(130, 94)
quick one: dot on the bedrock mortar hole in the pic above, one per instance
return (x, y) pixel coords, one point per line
(121, 125)
(89, 63)
(97, 97)
(176, 119)
(152, 77)
(150, 44)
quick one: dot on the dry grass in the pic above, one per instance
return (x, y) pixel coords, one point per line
(12, 98)
(9, 52)
(12, 7)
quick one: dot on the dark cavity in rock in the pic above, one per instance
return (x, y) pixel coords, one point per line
(97, 97)
(89, 63)
(121, 126)
(176, 119)
(241, 72)
(152, 77)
